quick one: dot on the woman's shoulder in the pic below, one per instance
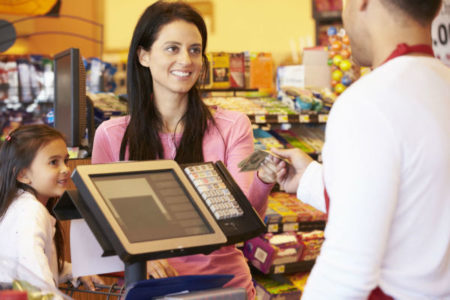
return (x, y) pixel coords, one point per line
(115, 123)
(229, 117)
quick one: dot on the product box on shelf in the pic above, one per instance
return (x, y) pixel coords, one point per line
(303, 212)
(220, 70)
(237, 70)
(312, 242)
(291, 140)
(265, 141)
(317, 70)
(273, 249)
(299, 280)
(261, 71)
(275, 287)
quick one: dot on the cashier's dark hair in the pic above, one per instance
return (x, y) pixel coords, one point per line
(142, 133)
(423, 11)
(16, 154)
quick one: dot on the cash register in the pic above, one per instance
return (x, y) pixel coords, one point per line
(157, 209)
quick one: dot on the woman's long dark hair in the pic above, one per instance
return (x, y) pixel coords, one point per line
(142, 133)
(17, 153)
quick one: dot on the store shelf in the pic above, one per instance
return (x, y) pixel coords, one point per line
(327, 16)
(288, 118)
(290, 268)
(295, 226)
(232, 91)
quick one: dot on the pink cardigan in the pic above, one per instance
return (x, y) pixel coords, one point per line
(230, 142)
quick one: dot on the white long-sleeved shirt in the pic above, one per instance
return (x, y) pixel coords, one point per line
(386, 167)
(27, 250)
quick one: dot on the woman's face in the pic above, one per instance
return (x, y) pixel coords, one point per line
(175, 58)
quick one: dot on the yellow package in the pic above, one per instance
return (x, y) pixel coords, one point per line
(220, 70)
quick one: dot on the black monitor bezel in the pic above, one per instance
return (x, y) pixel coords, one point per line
(109, 233)
(70, 121)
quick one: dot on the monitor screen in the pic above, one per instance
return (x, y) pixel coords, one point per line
(151, 206)
(70, 96)
(145, 210)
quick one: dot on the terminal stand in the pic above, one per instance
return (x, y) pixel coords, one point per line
(135, 272)
(65, 210)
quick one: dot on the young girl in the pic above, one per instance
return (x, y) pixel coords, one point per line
(168, 120)
(33, 173)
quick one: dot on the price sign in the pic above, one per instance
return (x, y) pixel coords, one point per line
(290, 227)
(260, 118)
(304, 119)
(282, 118)
(440, 33)
(279, 269)
(272, 228)
(323, 118)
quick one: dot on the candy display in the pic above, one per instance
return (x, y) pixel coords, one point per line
(343, 72)
(312, 242)
(241, 104)
(274, 106)
(291, 140)
(275, 287)
(256, 106)
(299, 280)
(292, 209)
(264, 140)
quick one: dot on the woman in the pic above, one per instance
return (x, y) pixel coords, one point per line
(168, 120)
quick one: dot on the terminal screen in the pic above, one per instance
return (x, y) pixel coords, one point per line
(151, 205)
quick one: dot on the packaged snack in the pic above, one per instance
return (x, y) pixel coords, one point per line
(220, 70)
(261, 71)
(237, 70)
(275, 287)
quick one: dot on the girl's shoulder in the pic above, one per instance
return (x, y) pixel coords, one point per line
(30, 208)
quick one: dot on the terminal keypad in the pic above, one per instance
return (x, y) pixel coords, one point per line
(214, 191)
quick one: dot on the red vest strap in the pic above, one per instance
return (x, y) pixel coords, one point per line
(403, 49)
(327, 200)
(378, 294)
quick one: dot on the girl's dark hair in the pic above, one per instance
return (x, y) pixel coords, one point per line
(142, 133)
(17, 153)
(423, 11)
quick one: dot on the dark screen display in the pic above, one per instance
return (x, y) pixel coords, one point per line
(151, 206)
(70, 96)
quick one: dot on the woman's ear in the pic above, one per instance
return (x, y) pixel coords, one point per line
(144, 57)
(23, 177)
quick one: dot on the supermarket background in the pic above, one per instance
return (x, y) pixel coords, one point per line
(284, 63)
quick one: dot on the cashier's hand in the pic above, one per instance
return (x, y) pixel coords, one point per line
(267, 171)
(289, 175)
(160, 269)
(89, 281)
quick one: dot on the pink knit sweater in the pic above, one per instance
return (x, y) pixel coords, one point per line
(230, 142)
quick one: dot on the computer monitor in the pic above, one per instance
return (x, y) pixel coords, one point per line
(145, 210)
(70, 96)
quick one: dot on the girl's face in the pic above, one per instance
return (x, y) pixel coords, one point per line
(48, 173)
(175, 58)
